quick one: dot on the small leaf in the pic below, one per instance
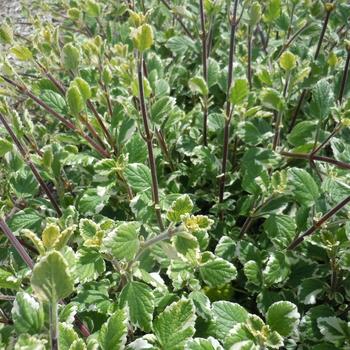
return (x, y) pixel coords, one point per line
(138, 177)
(287, 61)
(55, 101)
(35, 240)
(142, 37)
(70, 57)
(22, 53)
(67, 336)
(139, 298)
(277, 268)
(27, 314)
(6, 34)
(51, 280)
(270, 98)
(322, 99)
(226, 315)
(254, 14)
(75, 100)
(283, 317)
(181, 206)
(239, 91)
(217, 272)
(123, 242)
(334, 329)
(9, 280)
(5, 146)
(89, 265)
(280, 230)
(198, 85)
(50, 235)
(113, 333)
(305, 189)
(93, 9)
(83, 86)
(175, 325)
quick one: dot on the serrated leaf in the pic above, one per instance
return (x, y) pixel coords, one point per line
(226, 315)
(270, 98)
(138, 177)
(203, 344)
(27, 314)
(51, 280)
(75, 100)
(142, 37)
(217, 272)
(78, 345)
(239, 91)
(139, 298)
(89, 265)
(83, 87)
(22, 53)
(283, 317)
(66, 336)
(93, 9)
(175, 325)
(93, 201)
(322, 99)
(277, 269)
(123, 242)
(305, 188)
(50, 235)
(280, 230)
(181, 206)
(27, 218)
(28, 342)
(113, 333)
(252, 270)
(55, 101)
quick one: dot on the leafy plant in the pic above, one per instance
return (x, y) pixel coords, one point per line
(175, 175)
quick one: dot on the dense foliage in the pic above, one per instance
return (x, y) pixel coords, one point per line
(175, 175)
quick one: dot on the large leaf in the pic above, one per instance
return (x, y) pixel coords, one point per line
(283, 317)
(322, 99)
(175, 325)
(51, 280)
(123, 242)
(138, 177)
(334, 329)
(113, 333)
(27, 314)
(280, 229)
(139, 298)
(181, 206)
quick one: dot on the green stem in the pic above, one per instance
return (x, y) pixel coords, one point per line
(54, 325)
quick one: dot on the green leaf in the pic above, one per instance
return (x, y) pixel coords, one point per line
(89, 265)
(272, 10)
(334, 329)
(75, 100)
(217, 272)
(6, 34)
(50, 235)
(5, 146)
(138, 177)
(22, 53)
(28, 342)
(78, 345)
(287, 61)
(123, 242)
(70, 57)
(8, 280)
(280, 230)
(254, 14)
(142, 37)
(271, 99)
(226, 315)
(213, 72)
(24, 184)
(113, 333)
(175, 325)
(283, 317)
(93, 9)
(305, 189)
(277, 269)
(83, 86)
(310, 289)
(66, 336)
(27, 314)
(180, 44)
(239, 91)
(55, 101)
(181, 206)
(198, 85)
(203, 344)
(139, 298)
(252, 270)
(27, 218)
(322, 99)
(302, 133)
(51, 280)
(93, 201)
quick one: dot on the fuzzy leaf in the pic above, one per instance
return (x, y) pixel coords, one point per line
(138, 177)
(181, 206)
(142, 37)
(239, 91)
(22, 53)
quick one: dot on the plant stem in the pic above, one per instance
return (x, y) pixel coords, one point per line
(228, 105)
(308, 156)
(178, 19)
(54, 325)
(319, 223)
(31, 165)
(249, 49)
(345, 77)
(149, 138)
(205, 71)
(23, 90)
(16, 244)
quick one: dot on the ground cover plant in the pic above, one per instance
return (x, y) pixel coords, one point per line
(175, 175)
